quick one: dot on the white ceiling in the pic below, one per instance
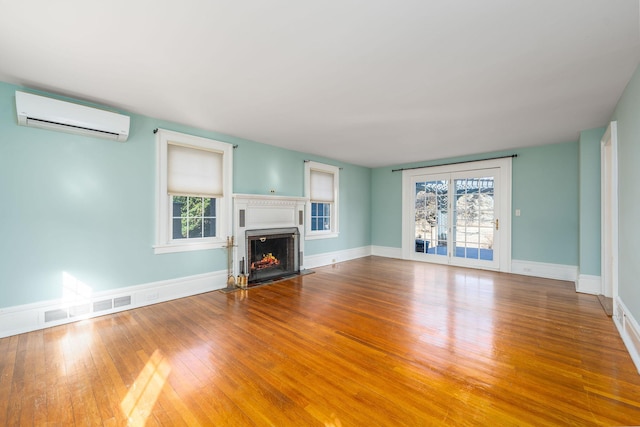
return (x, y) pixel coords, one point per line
(369, 82)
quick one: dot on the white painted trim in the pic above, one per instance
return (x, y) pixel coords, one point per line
(504, 165)
(187, 247)
(629, 330)
(335, 205)
(588, 284)
(315, 235)
(527, 268)
(164, 242)
(30, 317)
(609, 211)
(546, 270)
(328, 258)
(386, 251)
(263, 212)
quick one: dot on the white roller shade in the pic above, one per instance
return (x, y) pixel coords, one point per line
(321, 186)
(194, 172)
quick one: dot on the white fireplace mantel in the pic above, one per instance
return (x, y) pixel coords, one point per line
(257, 212)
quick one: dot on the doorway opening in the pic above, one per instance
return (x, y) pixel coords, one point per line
(609, 216)
(459, 214)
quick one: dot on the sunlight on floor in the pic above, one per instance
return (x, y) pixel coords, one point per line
(335, 423)
(143, 394)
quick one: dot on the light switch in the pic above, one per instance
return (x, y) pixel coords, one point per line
(517, 212)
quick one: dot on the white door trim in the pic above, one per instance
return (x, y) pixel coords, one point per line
(504, 164)
(609, 212)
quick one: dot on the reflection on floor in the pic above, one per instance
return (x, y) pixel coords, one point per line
(460, 252)
(607, 304)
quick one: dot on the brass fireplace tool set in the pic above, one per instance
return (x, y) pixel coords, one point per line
(242, 280)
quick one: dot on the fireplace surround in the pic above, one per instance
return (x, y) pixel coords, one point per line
(269, 234)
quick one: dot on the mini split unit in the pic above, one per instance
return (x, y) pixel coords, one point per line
(53, 114)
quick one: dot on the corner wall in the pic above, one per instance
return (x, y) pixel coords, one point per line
(545, 189)
(589, 280)
(626, 114)
(78, 212)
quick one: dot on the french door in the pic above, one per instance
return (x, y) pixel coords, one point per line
(456, 216)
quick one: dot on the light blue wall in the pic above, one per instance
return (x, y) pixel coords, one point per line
(627, 114)
(589, 242)
(386, 207)
(545, 189)
(260, 168)
(85, 206)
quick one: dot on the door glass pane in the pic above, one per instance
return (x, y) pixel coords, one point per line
(431, 220)
(474, 218)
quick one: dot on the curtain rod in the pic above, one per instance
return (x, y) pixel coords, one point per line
(455, 163)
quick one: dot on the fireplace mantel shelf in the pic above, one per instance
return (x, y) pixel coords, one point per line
(267, 199)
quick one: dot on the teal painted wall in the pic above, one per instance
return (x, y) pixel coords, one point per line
(589, 237)
(85, 206)
(627, 113)
(260, 168)
(545, 189)
(386, 198)
(386, 207)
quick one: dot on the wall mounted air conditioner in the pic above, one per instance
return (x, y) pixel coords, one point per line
(48, 113)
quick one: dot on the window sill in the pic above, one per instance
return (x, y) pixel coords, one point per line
(186, 247)
(309, 235)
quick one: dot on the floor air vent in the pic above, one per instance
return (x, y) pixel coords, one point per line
(84, 309)
(53, 315)
(120, 301)
(103, 305)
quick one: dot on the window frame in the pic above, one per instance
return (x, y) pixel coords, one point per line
(164, 239)
(333, 232)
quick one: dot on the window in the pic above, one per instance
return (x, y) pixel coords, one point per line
(194, 192)
(193, 217)
(321, 189)
(320, 216)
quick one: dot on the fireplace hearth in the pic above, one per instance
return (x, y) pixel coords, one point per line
(271, 254)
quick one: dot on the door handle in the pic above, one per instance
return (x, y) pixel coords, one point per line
(497, 224)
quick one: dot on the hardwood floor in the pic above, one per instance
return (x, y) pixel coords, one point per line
(368, 342)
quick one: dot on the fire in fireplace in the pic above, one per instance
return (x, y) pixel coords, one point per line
(272, 254)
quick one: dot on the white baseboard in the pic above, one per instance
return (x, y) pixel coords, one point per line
(328, 258)
(30, 317)
(386, 251)
(588, 284)
(548, 271)
(628, 329)
(527, 268)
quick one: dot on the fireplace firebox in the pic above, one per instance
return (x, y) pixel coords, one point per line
(271, 254)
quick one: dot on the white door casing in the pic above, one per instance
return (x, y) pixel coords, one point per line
(609, 212)
(501, 168)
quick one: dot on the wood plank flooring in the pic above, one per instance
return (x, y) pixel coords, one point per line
(369, 342)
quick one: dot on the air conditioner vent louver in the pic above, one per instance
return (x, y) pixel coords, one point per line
(44, 124)
(53, 114)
